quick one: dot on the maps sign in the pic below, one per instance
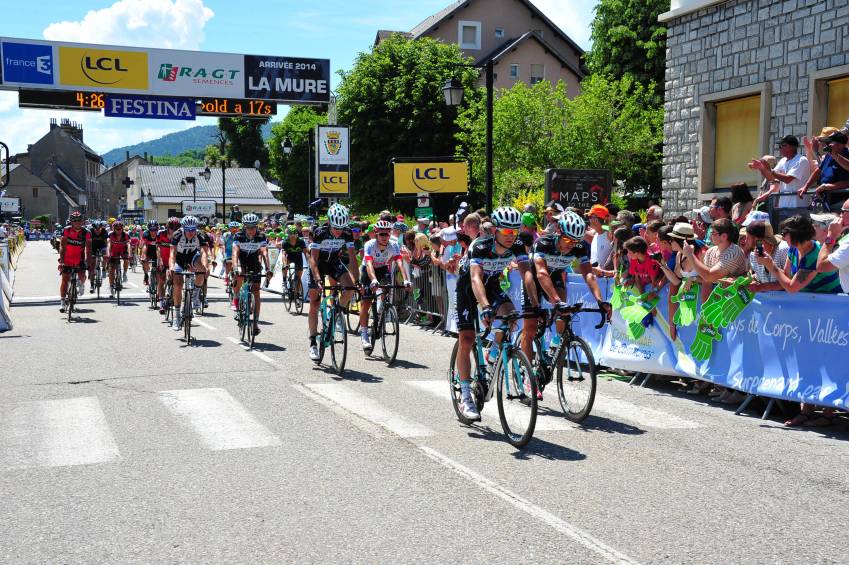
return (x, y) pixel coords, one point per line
(579, 188)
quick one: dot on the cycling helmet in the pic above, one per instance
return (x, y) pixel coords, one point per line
(76, 217)
(250, 220)
(152, 225)
(174, 222)
(382, 225)
(233, 225)
(189, 223)
(507, 217)
(338, 216)
(292, 230)
(117, 224)
(572, 225)
(400, 226)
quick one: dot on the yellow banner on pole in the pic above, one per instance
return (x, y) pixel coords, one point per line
(333, 183)
(432, 178)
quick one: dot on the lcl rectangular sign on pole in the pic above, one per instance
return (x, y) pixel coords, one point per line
(333, 160)
(432, 178)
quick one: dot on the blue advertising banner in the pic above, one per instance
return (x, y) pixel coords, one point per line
(151, 107)
(787, 346)
(27, 63)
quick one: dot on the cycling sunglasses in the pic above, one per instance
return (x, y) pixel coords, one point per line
(507, 231)
(568, 239)
(382, 233)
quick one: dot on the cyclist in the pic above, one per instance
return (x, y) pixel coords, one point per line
(74, 248)
(148, 239)
(227, 251)
(250, 252)
(378, 257)
(134, 242)
(325, 261)
(479, 283)
(553, 254)
(294, 247)
(99, 235)
(163, 257)
(116, 249)
(188, 252)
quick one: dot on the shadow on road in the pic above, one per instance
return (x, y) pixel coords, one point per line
(596, 423)
(81, 320)
(536, 448)
(349, 375)
(263, 347)
(204, 343)
(404, 364)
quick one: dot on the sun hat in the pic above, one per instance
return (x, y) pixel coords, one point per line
(755, 216)
(704, 215)
(683, 231)
(827, 131)
(448, 234)
(762, 230)
(599, 211)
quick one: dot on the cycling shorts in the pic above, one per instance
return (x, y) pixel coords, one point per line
(188, 264)
(467, 304)
(335, 270)
(297, 259)
(383, 277)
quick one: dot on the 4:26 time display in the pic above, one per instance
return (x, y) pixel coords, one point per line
(92, 100)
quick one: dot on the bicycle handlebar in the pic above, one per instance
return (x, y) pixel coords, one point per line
(578, 307)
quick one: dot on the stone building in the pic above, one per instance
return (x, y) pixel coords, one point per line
(523, 43)
(37, 198)
(114, 182)
(741, 74)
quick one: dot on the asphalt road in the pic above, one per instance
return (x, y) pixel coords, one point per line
(120, 444)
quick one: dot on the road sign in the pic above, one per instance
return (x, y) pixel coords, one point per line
(199, 208)
(424, 213)
(10, 205)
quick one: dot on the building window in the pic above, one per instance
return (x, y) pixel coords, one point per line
(737, 124)
(838, 102)
(514, 71)
(499, 33)
(35, 192)
(828, 98)
(537, 73)
(469, 35)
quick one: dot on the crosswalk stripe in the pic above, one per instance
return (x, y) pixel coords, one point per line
(217, 418)
(56, 433)
(648, 417)
(545, 423)
(369, 409)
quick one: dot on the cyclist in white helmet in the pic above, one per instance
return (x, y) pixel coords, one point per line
(326, 248)
(479, 285)
(553, 256)
(188, 253)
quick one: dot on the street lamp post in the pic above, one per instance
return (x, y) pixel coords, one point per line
(192, 181)
(453, 91)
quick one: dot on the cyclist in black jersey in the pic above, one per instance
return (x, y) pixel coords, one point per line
(149, 245)
(326, 248)
(250, 254)
(479, 283)
(294, 248)
(188, 252)
(99, 235)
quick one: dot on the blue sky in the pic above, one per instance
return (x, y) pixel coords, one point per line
(334, 29)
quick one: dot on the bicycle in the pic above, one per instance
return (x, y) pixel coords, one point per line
(117, 286)
(353, 314)
(152, 289)
(293, 291)
(572, 362)
(332, 334)
(97, 273)
(188, 312)
(245, 315)
(169, 300)
(385, 323)
(71, 292)
(514, 382)
(202, 296)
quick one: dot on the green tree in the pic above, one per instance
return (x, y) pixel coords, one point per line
(628, 40)
(189, 158)
(292, 171)
(393, 101)
(608, 126)
(244, 141)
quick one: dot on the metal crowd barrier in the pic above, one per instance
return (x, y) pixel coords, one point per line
(429, 296)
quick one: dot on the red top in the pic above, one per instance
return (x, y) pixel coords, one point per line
(646, 272)
(118, 244)
(163, 241)
(75, 242)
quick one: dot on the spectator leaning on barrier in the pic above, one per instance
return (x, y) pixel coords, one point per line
(834, 253)
(742, 202)
(800, 271)
(786, 178)
(829, 176)
(643, 270)
(723, 259)
(719, 208)
(602, 242)
(764, 241)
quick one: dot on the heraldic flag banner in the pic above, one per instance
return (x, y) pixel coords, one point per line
(333, 156)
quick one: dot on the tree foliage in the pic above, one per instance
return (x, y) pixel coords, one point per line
(608, 126)
(189, 158)
(245, 144)
(292, 171)
(393, 101)
(629, 41)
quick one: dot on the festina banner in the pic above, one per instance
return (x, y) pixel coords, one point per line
(779, 345)
(126, 106)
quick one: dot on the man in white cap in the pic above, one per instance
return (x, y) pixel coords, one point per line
(422, 225)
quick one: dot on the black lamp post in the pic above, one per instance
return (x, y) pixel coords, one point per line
(190, 181)
(454, 92)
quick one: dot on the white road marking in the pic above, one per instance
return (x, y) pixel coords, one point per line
(234, 340)
(369, 409)
(205, 325)
(576, 534)
(56, 433)
(648, 417)
(219, 419)
(439, 388)
(131, 285)
(264, 357)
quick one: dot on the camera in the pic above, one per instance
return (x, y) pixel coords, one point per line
(759, 246)
(827, 148)
(657, 256)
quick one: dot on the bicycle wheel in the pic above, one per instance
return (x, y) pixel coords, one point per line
(323, 336)
(517, 398)
(389, 333)
(98, 280)
(288, 293)
(250, 321)
(354, 314)
(454, 383)
(241, 318)
(338, 342)
(576, 379)
(299, 297)
(187, 317)
(72, 296)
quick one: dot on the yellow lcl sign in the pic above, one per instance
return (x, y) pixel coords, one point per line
(332, 183)
(433, 178)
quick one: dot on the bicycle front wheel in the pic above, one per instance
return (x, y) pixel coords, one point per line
(353, 315)
(250, 321)
(389, 333)
(187, 318)
(288, 294)
(338, 343)
(454, 383)
(299, 296)
(517, 398)
(576, 379)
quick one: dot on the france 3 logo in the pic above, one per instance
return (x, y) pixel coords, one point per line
(27, 63)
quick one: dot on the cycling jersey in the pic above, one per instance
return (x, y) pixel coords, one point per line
(249, 250)
(98, 241)
(331, 247)
(187, 249)
(163, 242)
(381, 257)
(75, 242)
(294, 252)
(227, 242)
(149, 239)
(358, 247)
(118, 245)
(546, 249)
